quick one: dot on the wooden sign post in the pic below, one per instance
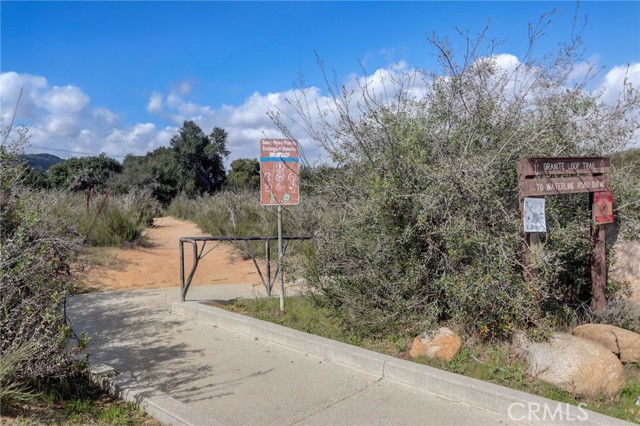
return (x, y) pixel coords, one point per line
(539, 177)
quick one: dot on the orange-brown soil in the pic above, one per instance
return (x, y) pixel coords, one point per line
(157, 266)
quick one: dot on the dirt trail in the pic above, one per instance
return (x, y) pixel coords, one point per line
(158, 266)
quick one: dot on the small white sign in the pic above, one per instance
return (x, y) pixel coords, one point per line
(534, 218)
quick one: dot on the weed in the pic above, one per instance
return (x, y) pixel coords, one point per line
(78, 406)
(78, 402)
(118, 414)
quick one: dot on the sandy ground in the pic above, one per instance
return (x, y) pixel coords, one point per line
(158, 266)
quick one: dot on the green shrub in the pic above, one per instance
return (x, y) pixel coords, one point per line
(112, 220)
(34, 282)
(13, 391)
(426, 198)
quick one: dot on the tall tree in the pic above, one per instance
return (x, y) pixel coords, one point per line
(200, 157)
(245, 173)
(85, 173)
(157, 172)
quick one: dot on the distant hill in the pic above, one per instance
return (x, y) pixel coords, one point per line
(40, 161)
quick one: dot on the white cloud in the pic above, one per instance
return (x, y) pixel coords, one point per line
(141, 138)
(175, 108)
(63, 117)
(245, 124)
(155, 103)
(615, 80)
(68, 100)
(10, 85)
(583, 71)
(106, 116)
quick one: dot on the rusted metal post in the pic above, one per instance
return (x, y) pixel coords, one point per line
(185, 282)
(182, 292)
(267, 248)
(280, 260)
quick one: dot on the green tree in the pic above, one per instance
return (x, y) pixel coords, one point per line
(157, 172)
(200, 158)
(84, 173)
(245, 174)
(36, 178)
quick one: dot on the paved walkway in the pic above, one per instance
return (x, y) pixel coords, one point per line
(188, 372)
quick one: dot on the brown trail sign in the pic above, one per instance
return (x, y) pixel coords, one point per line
(543, 166)
(541, 176)
(565, 185)
(279, 186)
(279, 169)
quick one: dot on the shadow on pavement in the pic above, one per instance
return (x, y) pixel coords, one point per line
(134, 333)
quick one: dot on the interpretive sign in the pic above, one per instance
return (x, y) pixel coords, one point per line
(603, 207)
(534, 218)
(279, 170)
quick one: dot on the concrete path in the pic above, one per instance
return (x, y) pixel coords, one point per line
(190, 372)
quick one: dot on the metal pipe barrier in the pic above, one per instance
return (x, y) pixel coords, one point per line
(198, 254)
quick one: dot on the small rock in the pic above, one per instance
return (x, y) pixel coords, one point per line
(623, 343)
(576, 365)
(443, 344)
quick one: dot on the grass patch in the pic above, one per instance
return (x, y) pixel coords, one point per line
(79, 402)
(304, 314)
(111, 220)
(497, 363)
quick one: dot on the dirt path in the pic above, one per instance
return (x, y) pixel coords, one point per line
(157, 266)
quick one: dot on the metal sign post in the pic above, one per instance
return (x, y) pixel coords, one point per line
(279, 170)
(568, 175)
(280, 261)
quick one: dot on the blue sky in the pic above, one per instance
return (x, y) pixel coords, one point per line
(119, 77)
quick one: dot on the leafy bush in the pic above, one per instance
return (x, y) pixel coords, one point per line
(426, 198)
(34, 281)
(85, 173)
(620, 313)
